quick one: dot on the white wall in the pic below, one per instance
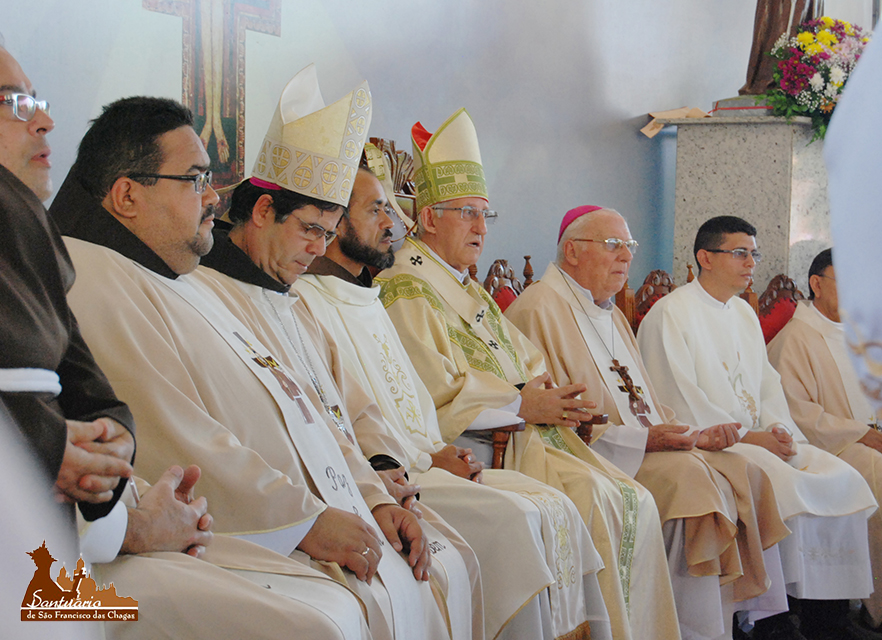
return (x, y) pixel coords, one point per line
(558, 89)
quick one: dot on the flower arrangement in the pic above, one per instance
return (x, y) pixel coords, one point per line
(812, 70)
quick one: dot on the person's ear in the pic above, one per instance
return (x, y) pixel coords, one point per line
(262, 213)
(703, 259)
(427, 217)
(124, 197)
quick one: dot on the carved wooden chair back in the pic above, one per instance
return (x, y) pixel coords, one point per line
(777, 304)
(657, 284)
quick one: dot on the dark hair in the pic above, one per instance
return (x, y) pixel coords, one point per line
(124, 140)
(712, 234)
(284, 202)
(819, 265)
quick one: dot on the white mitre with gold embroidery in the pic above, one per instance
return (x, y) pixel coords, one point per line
(448, 162)
(313, 149)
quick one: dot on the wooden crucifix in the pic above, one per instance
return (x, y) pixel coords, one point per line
(636, 402)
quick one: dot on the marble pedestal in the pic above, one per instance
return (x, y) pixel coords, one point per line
(761, 169)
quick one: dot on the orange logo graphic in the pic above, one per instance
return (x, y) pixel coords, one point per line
(66, 598)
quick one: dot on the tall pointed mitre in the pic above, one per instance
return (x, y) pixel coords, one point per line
(313, 149)
(448, 162)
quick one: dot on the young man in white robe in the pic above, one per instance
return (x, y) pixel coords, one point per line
(148, 548)
(138, 208)
(570, 317)
(483, 373)
(826, 400)
(337, 292)
(703, 348)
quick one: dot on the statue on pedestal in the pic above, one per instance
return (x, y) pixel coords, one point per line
(774, 17)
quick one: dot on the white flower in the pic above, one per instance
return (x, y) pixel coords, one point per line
(837, 76)
(817, 82)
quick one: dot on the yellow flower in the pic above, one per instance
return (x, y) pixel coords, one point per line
(805, 38)
(849, 30)
(814, 49)
(827, 38)
(828, 21)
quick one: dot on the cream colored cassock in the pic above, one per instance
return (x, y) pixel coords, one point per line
(708, 360)
(714, 496)
(470, 358)
(543, 530)
(267, 471)
(455, 569)
(828, 406)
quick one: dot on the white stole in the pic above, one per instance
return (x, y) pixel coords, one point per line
(834, 336)
(318, 451)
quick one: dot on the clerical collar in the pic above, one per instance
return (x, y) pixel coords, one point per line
(324, 266)
(463, 277)
(836, 325)
(708, 298)
(603, 304)
(230, 260)
(81, 215)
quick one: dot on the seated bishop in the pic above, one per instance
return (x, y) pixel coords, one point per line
(483, 373)
(276, 232)
(570, 317)
(825, 397)
(337, 292)
(137, 209)
(704, 350)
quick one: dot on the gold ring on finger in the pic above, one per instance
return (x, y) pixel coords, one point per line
(565, 416)
(365, 552)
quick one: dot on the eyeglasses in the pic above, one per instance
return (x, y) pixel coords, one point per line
(470, 213)
(24, 107)
(315, 232)
(613, 244)
(200, 180)
(740, 254)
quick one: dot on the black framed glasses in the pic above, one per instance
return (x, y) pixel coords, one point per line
(200, 180)
(24, 107)
(313, 232)
(740, 254)
(470, 213)
(613, 244)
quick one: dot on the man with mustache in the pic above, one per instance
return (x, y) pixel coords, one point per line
(704, 350)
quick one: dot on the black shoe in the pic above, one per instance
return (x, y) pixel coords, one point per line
(779, 627)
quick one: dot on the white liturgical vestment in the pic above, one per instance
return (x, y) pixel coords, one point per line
(471, 358)
(708, 360)
(369, 348)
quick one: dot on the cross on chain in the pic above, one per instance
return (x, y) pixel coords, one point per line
(636, 402)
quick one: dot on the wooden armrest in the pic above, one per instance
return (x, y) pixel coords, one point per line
(585, 428)
(500, 441)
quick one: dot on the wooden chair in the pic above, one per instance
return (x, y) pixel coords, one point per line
(777, 304)
(657, 284)
(401, 165)
(750, 297)
(626, 302)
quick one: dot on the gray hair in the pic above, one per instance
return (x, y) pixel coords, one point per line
(576, 229)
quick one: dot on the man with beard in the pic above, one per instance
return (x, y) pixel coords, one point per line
(337, 291)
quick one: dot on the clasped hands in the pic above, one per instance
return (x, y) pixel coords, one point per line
(96, 456)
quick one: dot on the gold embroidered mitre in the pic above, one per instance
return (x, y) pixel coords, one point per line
(313, 149)
(448, 162)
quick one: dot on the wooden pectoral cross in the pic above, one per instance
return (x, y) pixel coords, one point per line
(636, 402)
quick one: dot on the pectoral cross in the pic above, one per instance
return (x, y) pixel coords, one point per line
(636, 403)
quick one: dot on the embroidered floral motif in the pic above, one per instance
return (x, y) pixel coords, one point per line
(629, 537)
(564, 569)
(401, 389)
(748, 402)
(407, 287)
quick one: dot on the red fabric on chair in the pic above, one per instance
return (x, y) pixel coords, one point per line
(775, 319)
(504, 297)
